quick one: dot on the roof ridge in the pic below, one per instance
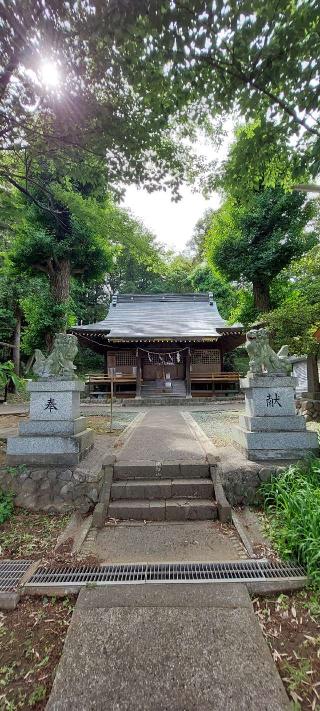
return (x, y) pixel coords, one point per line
(194, 296)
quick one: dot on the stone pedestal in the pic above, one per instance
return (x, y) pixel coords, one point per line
(55, 434)
(270, 428)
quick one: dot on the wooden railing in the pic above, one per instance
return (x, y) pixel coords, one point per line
(94, 382)
(104, 378)
(215, 377)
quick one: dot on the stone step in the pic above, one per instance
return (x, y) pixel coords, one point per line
(151, 489)
(162, 510)
(160, 470)
(168, 401)
(157, 389)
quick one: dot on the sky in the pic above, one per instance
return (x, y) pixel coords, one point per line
(173, 222)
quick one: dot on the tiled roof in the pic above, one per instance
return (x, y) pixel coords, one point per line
(160, 315)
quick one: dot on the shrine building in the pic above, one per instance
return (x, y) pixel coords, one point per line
(157, 345)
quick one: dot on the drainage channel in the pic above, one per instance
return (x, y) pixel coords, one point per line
(11, 573)
(244, 571)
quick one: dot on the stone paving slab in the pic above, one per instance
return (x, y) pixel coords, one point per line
(162, 435)
(196, 541)
(170, 595)
(191, 650)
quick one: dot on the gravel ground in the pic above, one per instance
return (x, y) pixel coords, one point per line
(100, 423)
(218, 426)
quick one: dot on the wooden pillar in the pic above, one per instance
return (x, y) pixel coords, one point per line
(112, 361)
(138, 381)
(111, 364)
(188, 376)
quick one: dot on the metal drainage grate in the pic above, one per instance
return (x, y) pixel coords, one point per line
(165, 573)
(11, 572)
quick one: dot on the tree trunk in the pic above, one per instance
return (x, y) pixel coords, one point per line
(16, 342)
(313, 377)
(261, 296)
(60, 281)
(59, 278)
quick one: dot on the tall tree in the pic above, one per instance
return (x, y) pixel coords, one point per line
(71, 243)
(255, 241)
(197, 242)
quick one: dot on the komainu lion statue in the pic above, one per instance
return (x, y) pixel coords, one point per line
(59, 364)
(263, 358)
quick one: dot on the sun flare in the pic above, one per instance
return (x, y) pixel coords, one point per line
(49, 74)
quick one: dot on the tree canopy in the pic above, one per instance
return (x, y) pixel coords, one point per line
(249, 57)
(66, 92)
(297, 316)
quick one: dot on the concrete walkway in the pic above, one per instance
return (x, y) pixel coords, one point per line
(166, 647)
(162, 435)
(167, 541)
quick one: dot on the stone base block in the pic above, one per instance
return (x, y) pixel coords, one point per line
(48, 450)
(276, 440)
(274, 446)
(279, 455)
(292, 423)
(42, 460)
(54, 427)
(255, 380)
(52, 399)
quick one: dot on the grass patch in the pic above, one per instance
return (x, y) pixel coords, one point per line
(6, 505)
(292, 505)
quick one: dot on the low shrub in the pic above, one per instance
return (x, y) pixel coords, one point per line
(292, 505)
(6, 505)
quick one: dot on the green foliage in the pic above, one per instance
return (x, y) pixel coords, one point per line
(37, 695)
(177, 274)
(43, 318)
(7, 375)
(197, 242)
(6, 505)
(297, 315)
(292, 504)
(245, 311)
(295, 322)
(254, 241)
(258, 159)
(202, 279)
(87, 361)
(138, 263)
(79, 235)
